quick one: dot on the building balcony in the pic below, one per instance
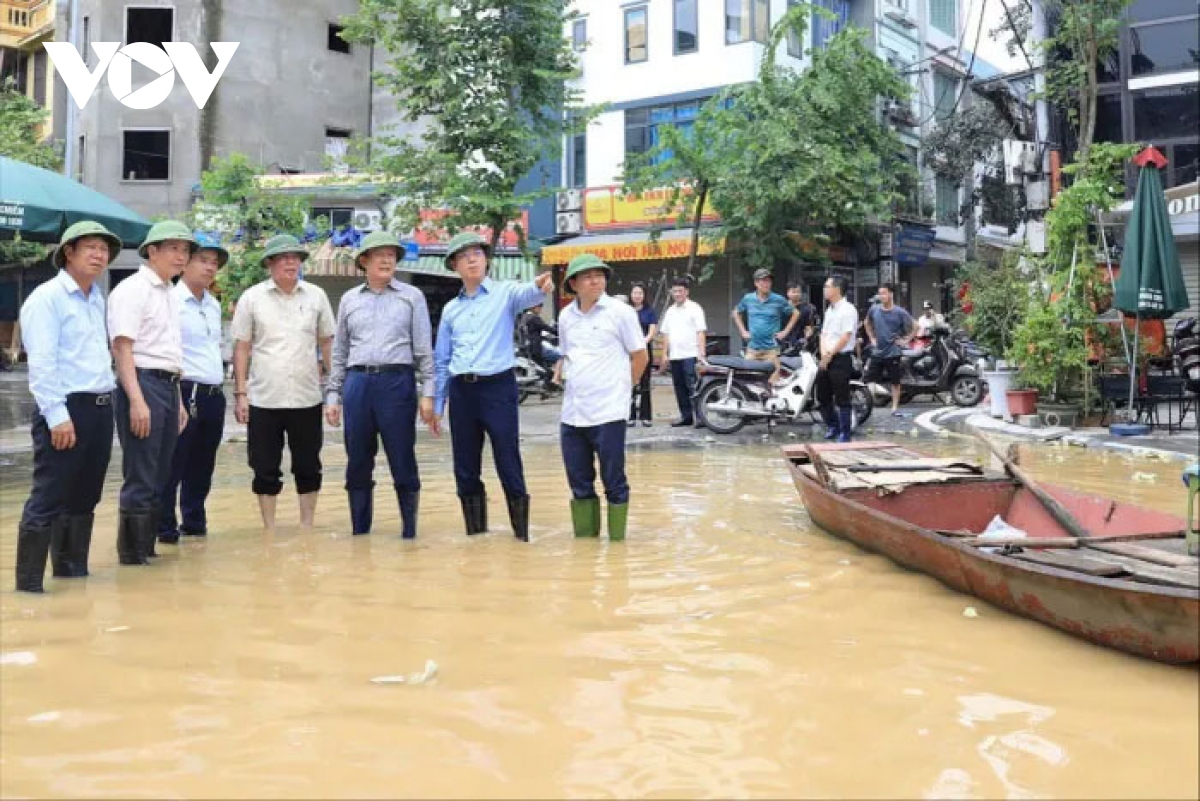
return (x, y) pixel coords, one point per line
(26, 23)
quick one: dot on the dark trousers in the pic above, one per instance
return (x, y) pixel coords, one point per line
(582, 446)
(487, 407)
(70, 481)
(639, 407)
(265, 436)
(195, 458)
(380, 406)
(683, 376)
(833, 383)
(145, 460)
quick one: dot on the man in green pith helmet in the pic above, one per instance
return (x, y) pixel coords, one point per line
(604, 355)
(382, 365)
(473, 361)
(147, 347)
(71, 380)
(277, 328)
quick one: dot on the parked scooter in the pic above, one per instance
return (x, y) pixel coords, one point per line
(536, 376)
(948, 364)
(735, 391)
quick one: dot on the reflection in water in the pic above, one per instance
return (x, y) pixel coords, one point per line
(726, 649)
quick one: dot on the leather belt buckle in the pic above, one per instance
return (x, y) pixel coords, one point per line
(372, 369)
(103, 400)
(470, 378)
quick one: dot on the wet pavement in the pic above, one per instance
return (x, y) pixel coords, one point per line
(728, 648)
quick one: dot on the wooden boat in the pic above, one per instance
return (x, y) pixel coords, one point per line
(1130, 584)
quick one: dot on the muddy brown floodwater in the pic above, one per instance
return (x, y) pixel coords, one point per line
(728, 648)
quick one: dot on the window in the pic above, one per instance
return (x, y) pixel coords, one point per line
(635, 35)
(825, 29)
(1147, 10)
(794, 48)
(146, 155)
(335, 216)
(1168, 113)
(80, 163)
(642, 125)
(337, 145)
(1163, 48)
(87, 43)
(945, 95)
(687, 27)
(153, 25)
(15, 70)
(579, 34)
(335, 41)
(1108, 119)
(1185, 162)
(39, 77)
(747, 21)
(943, 15)
(946, 202)
(579, 160)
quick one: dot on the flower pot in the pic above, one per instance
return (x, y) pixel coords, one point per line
(1060, 414)
(1021, 401)
(998, 382)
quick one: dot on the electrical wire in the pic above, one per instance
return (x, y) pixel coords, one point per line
(970, 66)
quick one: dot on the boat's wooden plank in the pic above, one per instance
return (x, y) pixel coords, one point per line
(841, 481)
(1156, 556)
(1155, 574)
(1071, 561)
(912, 477)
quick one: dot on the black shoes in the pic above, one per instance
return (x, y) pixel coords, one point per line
(682, 423)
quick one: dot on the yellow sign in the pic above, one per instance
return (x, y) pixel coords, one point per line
(675, 248)
(605, 207)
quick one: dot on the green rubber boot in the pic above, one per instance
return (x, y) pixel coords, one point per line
(618, 517)
(585, 515)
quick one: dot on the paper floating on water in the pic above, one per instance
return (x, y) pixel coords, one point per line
(970, 612)
(425, 675)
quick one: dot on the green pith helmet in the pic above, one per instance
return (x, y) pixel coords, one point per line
(378, 239)
(465, 240)
(583, 263)
(280, 244)
(167, 230)
(78, 231)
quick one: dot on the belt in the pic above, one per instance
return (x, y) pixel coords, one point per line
(204, 389)
(476, 378)
(166, 375)
(98, 398)
(372, 369)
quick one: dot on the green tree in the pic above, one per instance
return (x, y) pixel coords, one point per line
(237, 205)
(21, 120)
(793, 153)
(487, 83)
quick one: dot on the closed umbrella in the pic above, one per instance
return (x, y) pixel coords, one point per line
(39, 205)
(1150, 285)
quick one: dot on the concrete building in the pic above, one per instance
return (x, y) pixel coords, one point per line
(24, 26)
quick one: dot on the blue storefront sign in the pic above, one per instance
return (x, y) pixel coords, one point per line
(912, 244)
(412, 251)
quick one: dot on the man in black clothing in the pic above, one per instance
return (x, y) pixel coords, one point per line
(809, 321)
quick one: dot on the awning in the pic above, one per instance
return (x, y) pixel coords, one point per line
(635, 246)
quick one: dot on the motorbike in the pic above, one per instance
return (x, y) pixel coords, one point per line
(949, 363)
(734, 391)
(535, 376)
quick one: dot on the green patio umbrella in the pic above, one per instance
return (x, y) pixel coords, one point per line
(1150, 285)
(39, 205)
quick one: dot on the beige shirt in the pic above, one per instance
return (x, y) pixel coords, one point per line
(284, 332)
(144, 308)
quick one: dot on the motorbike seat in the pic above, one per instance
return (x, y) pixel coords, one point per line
(790, 362)
(912, 353)
(741, 365)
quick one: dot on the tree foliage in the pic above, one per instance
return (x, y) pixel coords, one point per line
(237, 207)
(996, 294)
(487, 84)
(21, 120)
(794, 156)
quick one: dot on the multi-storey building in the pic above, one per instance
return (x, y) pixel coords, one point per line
(24, 26)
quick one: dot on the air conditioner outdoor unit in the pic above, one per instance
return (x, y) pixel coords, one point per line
(368, 220)
(568, 222)
(1030, 163)
(570, 200)
(1037, 196)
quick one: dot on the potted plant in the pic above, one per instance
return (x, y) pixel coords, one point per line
(990, 312)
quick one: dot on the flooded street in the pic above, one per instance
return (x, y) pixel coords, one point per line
(728, 648)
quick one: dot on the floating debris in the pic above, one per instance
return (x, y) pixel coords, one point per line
(45, 717)
(970, 612)
(18, 658)
(116, 629)
(1145, 478)
(425, 675)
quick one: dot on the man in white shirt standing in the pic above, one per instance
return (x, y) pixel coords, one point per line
(837, 361)
(143, 326)
(202, 390)
(683, 331)
(604, 355)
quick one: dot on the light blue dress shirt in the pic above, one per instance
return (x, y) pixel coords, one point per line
(476, 332)
(201, 322)
(66, 339)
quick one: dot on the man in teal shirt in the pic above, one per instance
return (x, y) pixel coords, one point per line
(769, 318)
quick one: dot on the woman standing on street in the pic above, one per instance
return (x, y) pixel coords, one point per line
(648, 318)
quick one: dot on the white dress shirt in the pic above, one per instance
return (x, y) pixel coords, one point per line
(681, 324)
(840, 318)
(145, 309)
(596, 347)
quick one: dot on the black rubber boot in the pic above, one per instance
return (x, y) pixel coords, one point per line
(81, 543)
(518, 515)
(474, 509)
(148, 544)
(130, 530)
(410, 503)
(33, 546)
(60, 546)
(361, 510)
